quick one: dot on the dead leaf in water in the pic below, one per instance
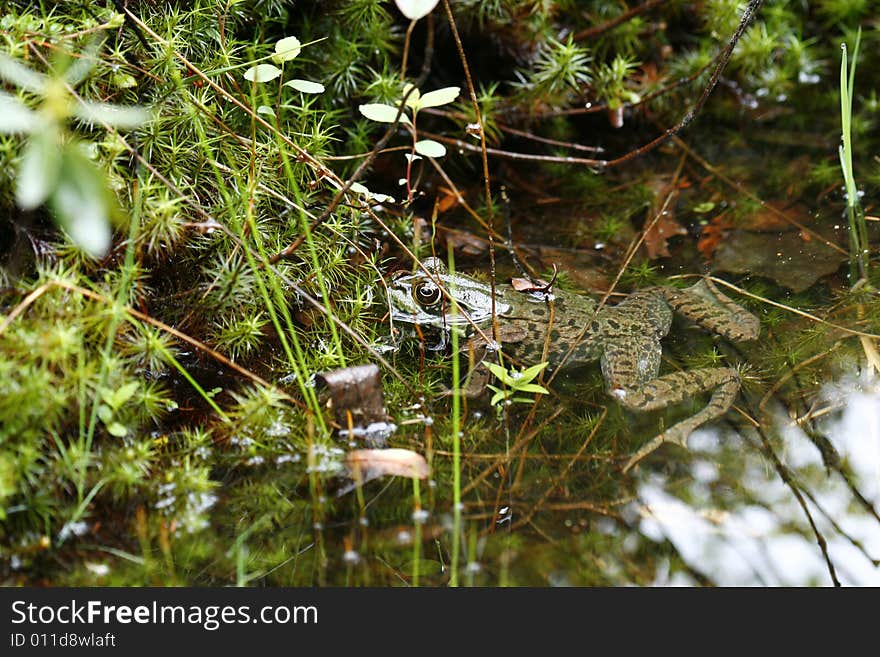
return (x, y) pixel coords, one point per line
(771, 218)
(661, 221)
(784, 258)
(367, 464)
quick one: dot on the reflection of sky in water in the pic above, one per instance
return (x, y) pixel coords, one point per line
(754, 544)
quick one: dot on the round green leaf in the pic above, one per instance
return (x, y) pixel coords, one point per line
(439, 97)
(116, 429)
(381, 113)
(82, 204)
(15, 116)
(415, 9)
(305, 86)
(430, 148)
(286, 49)
(262, 73)
(38, 171)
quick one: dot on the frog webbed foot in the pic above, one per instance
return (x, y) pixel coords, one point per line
(673, 388)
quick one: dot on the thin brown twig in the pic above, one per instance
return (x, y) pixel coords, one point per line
(23, 305)
(534, 508)
(484, 155)
(596, 30)
(473, 483)
(786, 476)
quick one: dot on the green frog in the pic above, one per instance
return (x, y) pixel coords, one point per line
(566, 329)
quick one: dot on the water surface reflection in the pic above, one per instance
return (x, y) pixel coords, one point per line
(765, 538)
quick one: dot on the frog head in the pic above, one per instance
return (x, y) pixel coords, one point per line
(416, 298)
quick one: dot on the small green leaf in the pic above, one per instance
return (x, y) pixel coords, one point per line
(262, 73)
(439, 97)
(430, 148)
(21, 76)
(38, 172)
(412, 97)
(81, 203)
(305, 86)
(117, 116)
(123, 394)
(266, 110)
(105, 413)
(497, 397)
(522, 400)
(81, 66)
(123, 80)
(703, 208)
(531, 372)
(286, 49)
(532, 387)
(15, 116)
(382, 113)
(116, 429)
(498, 371)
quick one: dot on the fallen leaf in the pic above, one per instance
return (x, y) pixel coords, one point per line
(368, 464)
(665, 226)
(783, 257)
(712, 235)
(447, 200)
(525, 285)
(463, 242)
(769, 218)
(657, 236)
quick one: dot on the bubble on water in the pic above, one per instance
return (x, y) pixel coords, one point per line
(808, 78)
(73, 529)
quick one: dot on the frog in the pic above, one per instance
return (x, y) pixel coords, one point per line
(566, 329)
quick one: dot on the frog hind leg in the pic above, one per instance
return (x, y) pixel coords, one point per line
(631, 376)
(704, 304)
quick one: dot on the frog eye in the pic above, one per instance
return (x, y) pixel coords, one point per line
(427, 294)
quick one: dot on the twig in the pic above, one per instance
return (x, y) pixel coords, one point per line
(789, 481)
(536, 506)
(484, 157)
(596, 30)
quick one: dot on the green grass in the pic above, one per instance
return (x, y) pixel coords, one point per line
(157, 406)
(858, 229)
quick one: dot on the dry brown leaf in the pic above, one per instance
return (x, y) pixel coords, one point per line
(665, 226)
(525, 285)
(367, 464)
(657, 236)
(447, 200)
(712, 234)
(768, 220)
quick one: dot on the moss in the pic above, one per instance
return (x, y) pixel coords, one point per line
(133, 408)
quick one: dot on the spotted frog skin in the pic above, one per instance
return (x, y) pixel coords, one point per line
(625, 338)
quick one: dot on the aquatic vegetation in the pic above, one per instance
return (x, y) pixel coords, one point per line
(202, 203)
